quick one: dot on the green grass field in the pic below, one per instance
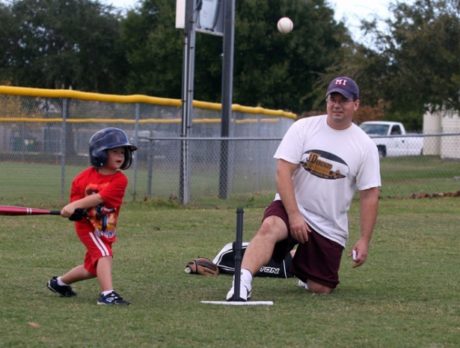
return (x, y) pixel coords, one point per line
(29, 183)
(406, 295)
(403, 176)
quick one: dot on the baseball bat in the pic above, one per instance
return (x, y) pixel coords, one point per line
(16, 210)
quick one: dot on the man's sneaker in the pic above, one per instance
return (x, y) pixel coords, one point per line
(111, 299)
(245, 291)
(63, 290)
(302, 284)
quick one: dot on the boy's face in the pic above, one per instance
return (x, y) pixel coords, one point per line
(115, 158)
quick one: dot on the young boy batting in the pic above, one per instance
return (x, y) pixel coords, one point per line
(98, 191)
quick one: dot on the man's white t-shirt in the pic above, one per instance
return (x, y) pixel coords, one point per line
(333, 165)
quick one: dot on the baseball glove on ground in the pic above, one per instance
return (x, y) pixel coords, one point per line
(203, 266)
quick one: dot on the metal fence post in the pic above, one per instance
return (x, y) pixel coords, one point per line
(150, 168)
(137, 112)
(65, 115)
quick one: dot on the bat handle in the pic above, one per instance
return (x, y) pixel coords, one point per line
(55, 212)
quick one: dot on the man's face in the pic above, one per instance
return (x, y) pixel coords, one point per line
(340, 110)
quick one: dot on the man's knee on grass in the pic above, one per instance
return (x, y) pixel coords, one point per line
(319, 289)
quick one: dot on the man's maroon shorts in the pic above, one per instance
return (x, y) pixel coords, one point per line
(318, 259)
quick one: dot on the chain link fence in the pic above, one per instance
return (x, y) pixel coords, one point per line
(44, 138)
(44, 143)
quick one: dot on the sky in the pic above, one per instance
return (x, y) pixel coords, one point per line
(349, 11)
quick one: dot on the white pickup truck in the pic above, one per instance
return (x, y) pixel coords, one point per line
(392, 140)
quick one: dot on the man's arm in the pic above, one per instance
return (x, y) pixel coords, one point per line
(369, 203)
(285, 187)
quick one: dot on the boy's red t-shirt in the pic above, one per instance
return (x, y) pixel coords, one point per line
(102, 219)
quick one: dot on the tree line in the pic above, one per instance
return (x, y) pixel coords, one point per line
(410, 66)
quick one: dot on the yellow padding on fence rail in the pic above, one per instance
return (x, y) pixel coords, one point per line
(135, 98)
(72, 94)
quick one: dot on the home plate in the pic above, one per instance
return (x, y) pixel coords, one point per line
(240, 303)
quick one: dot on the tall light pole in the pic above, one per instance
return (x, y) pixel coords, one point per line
(188, 75)
(227, 94)
(215, 17)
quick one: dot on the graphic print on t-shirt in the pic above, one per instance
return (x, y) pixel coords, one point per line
(103, 219)
(324, 164)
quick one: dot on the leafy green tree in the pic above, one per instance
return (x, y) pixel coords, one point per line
(85, 45)
(282, 70)
(153, 49)
(6, 32)
(415, 66)
(270, 69)
(65, 44)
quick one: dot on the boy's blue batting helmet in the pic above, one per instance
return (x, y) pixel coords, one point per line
(106, 139)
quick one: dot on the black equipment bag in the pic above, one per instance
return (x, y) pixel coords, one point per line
(226, 263)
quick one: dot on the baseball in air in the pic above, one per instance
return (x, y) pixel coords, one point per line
(285, 25)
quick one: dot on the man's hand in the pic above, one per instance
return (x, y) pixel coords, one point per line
(359, 251)
(299, 228)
